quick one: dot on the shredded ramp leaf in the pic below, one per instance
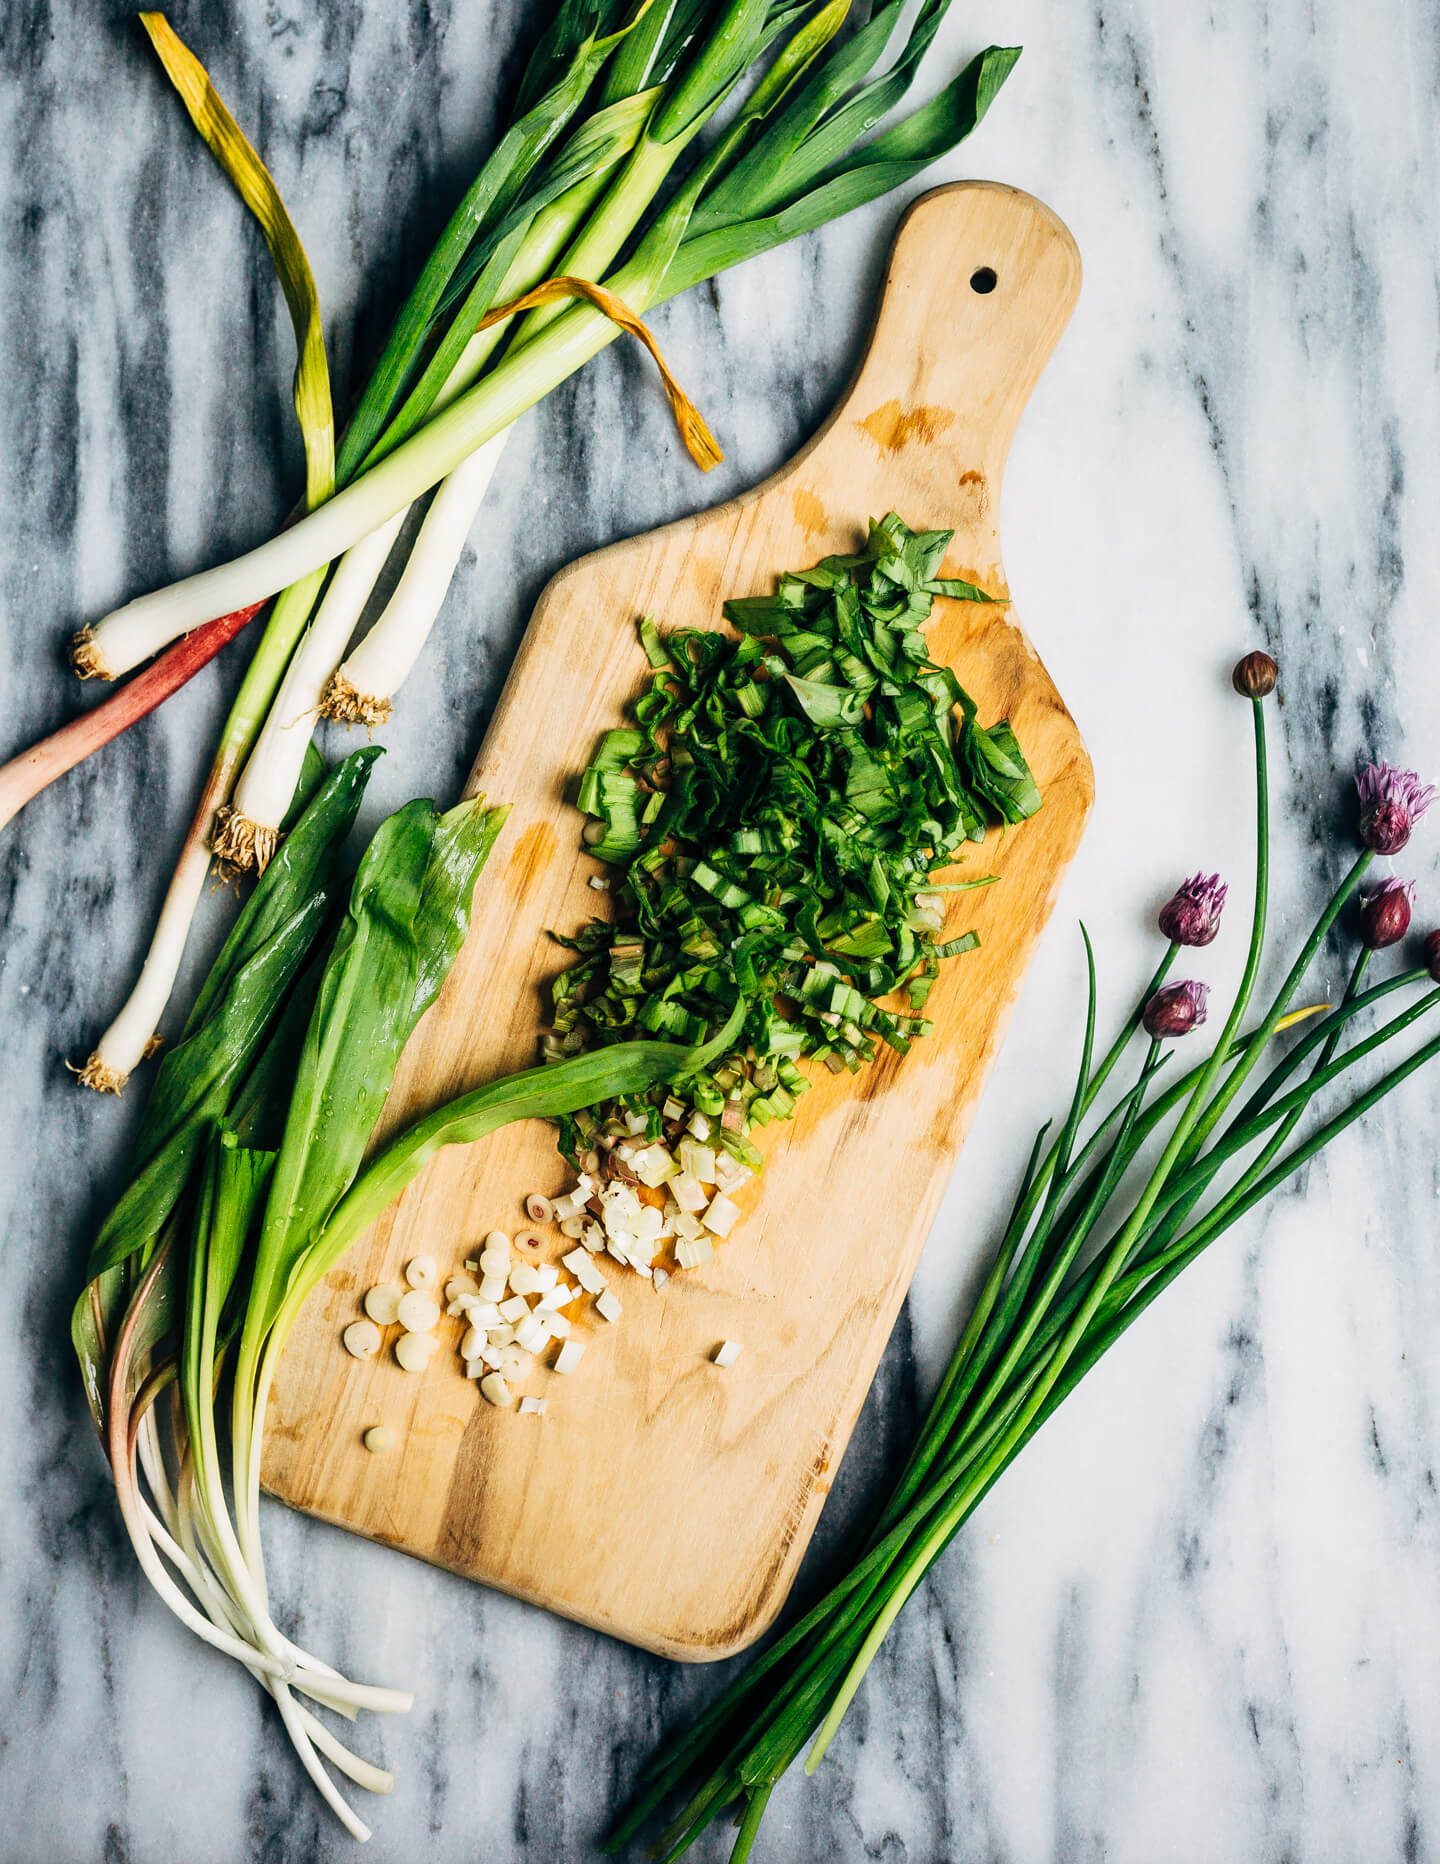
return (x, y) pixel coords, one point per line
(776, 815)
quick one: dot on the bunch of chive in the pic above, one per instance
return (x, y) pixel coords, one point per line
(1080, 1260)
(777, 819)
(599, 175)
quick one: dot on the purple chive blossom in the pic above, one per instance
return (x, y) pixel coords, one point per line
(1385, 913)
(1391, 803)
(1192, 915)
(1177, 1009)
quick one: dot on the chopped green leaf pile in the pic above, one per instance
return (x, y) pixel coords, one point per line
(775, 817)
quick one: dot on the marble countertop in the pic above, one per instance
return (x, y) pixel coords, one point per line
(1200, 1619)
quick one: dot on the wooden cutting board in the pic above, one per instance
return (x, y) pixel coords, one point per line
(660, 1498)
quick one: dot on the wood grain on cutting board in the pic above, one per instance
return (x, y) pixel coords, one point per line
(660, 1498)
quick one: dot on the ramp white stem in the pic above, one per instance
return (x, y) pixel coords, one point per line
(273, 769)
(382, 661)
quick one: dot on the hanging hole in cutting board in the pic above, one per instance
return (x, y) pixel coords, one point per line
(983, 280)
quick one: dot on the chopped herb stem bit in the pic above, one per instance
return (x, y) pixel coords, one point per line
(775, 814)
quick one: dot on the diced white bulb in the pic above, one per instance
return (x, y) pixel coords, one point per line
(530, 1333)
(721, 1215)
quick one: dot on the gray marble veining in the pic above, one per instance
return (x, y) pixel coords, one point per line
(1200, 1620)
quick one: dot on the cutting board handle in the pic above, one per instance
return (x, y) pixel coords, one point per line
(981, 282)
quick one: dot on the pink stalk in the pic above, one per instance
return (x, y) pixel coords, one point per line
(33, 770)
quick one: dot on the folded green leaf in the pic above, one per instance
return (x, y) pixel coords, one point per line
(998, 770)
(312, 775)
(827, 706)
(463, 840)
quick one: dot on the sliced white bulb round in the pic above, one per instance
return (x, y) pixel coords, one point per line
(382, 1303)
(362, 1339)
(413, 1350)
(417, 1311)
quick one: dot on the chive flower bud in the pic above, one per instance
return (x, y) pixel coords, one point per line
(1254, 676)
(1385, 913)
(1391, 803)
(1191, 916)
(1432, 955)
(1177, 1009)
